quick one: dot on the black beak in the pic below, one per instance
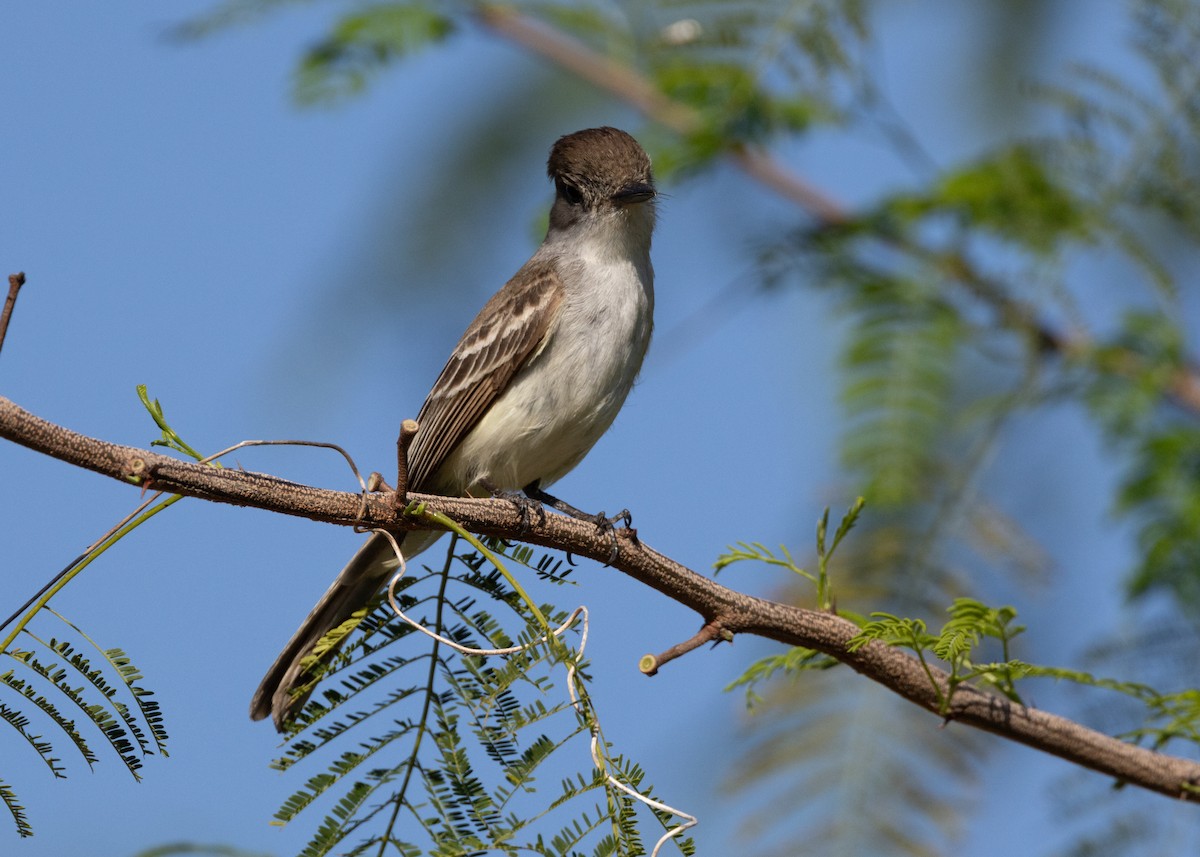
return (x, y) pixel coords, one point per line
(636, 192)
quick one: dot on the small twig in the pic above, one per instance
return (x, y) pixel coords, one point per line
(710, 632)
(770, 173)
(50, 584)
(139, 470)
(15, 281)
(408, 430)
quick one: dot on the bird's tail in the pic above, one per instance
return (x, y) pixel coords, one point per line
(362, 577)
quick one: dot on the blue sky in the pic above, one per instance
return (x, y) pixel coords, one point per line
(275, 272)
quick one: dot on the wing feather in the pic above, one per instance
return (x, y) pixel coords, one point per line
(510, 328)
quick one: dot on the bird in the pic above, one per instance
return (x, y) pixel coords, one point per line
(536, 379)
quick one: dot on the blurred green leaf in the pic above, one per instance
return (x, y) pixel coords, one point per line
(1010, 194)
(362, 44)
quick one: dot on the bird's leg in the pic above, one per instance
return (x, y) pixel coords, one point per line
(604, 524)
(524, 503)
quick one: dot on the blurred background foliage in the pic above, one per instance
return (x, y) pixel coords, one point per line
(1051, 269)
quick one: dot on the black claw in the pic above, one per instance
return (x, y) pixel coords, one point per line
(527, 507)
(607, 526)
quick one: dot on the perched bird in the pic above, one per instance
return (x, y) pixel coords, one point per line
(536, 379)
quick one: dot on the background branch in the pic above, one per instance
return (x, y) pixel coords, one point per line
(626, 84)
(719, 606)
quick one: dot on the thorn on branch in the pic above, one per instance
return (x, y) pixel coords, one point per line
(711, 632)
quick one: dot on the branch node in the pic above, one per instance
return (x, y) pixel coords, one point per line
(137, 471)
(408, 430)
(376, 483)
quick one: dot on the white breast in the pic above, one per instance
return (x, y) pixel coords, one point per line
(569, 393)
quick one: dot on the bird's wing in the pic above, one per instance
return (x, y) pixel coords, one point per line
(510, 328)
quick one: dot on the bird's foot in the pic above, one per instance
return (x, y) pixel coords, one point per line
(604, 524)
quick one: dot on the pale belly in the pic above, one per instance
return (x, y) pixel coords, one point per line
(560, 403)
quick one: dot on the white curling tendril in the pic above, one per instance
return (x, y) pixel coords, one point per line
(689, 820)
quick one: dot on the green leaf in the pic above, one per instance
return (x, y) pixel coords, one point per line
(20, 820)
(362, 44)
(1014, 195)
(795, 660)
(456, 762)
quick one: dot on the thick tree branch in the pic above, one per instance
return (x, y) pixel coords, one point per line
(723, 610)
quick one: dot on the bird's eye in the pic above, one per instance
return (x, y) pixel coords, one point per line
(569, 192)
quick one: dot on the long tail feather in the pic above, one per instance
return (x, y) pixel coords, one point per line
(362, 577)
